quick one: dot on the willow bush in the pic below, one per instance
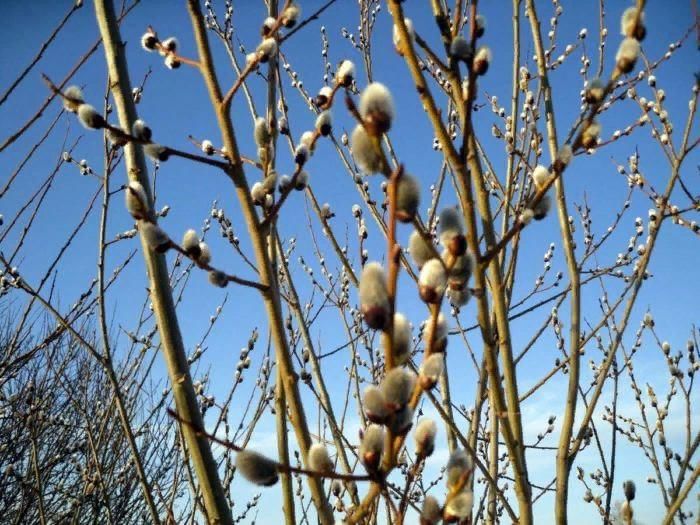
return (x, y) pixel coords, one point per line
(412, 372)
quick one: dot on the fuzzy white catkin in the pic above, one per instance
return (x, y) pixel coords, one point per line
(419, 249)
(482, 59)
(366, 157)
(204, 254)
(377, 106)
(116, 138)
(541, 209)
(190, 241)
(285, 183)
(424, 435)
(267, 49)
(440, 330)
(257, 468)
(319, 460)
(270, 182)
(526, 216)
(155, 237)
(258, 193)
(431, 369)
(374, 404)
(461, 269)
(432, 281)
(307, 139)
(290, 15)
(591, 134)
(268, 24)
(324, 123)
(326, 211)
(218, 278)
(460, 506)
(73, 99)
(595, 90)
(141, 131)
(540, 176)
(136, 200)
(169, 45)
(172, 62)
(149, 41)
(156, 151)
(324, 95)
(627, 21)
(261, 132)
(450, 225)
(346, 73)
(374, 296)
(207, 147)
(431, 512)
(459, 468)
(407, 197)
(460, 49)
(372, 445)
(402, 420)
(401, 339)
(480, 25)
(301, 154)
(283, 125)
(264, 154)
(302, 181)
(565, 154)
(627, 54)
(89, 117)
(459, 296)
(397, 387)
(336, 487)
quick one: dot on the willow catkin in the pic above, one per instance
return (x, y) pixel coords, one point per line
(424, 435)
(319, 460)
(257, 468)
(363, 151)
(432, 281)
(377, 108)
(372, 446)
(397, 387)
(374, 296)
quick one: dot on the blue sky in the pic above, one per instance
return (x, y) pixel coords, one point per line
(176, 105)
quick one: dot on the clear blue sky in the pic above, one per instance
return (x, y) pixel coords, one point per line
(175, 104)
